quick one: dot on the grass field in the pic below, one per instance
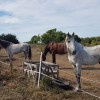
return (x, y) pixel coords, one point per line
(19, 87)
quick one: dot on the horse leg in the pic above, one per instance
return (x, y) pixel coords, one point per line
(77, 71)
(53, 58)
(25, 55)
(11, 65)
(10, 55)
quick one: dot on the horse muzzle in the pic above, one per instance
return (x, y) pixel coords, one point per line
(43, 58)
(74, 52)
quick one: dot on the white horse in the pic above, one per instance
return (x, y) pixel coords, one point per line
(79, 55)
(16, 48)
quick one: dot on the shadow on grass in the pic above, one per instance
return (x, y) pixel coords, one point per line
(49, 84)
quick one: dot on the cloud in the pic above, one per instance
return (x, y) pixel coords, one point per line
(9, 20)
(3, 13)
(33, 17)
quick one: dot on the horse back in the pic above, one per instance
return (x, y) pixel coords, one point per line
(95, 50)
(58, 48)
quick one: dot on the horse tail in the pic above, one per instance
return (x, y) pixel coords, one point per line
(30, 53)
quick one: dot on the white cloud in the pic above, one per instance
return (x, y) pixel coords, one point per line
(9, 20)
(37, 16)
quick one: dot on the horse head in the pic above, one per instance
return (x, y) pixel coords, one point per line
(70, 43)
(43, 57)
(46, 50)
(0, 47)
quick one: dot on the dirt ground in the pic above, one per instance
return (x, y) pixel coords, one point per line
(16, 88)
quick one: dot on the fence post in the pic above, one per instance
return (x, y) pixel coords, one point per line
(39, 70)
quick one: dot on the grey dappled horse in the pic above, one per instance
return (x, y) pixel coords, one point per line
(79, 55)
(11, 49)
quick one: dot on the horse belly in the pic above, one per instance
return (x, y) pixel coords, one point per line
(16, 50)
(90, 61)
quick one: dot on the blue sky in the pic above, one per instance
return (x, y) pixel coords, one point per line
(25, 18)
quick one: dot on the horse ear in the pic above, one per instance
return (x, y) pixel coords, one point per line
(73, 34)
(68, 34)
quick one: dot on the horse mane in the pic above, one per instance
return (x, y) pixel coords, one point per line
(51, 43)
(79, 45)
(46, 49)
(4, 43)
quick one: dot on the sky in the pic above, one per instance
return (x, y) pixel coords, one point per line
(26, 18)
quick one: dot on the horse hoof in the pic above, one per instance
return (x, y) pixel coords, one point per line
(77, 90)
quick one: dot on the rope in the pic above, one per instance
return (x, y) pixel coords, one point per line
(90, 94)
(66, 72)
(4, 50)
(18, 58)
(82, 77)
(4, 63)
(45, 75)
(91, 80)
(61, 81)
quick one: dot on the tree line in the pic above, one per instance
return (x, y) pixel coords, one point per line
(59, 36)
(91, 41)
(52, 35)
(9, 37)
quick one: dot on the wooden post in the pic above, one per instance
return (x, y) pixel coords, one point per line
(39, 70)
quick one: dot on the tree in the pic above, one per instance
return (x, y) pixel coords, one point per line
(78, 39)
(35, 39)
(53, 35)
(9, 37)
(90, 41)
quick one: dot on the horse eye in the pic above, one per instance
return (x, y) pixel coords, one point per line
(68, 41)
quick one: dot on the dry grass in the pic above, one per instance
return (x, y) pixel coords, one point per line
(19, 87)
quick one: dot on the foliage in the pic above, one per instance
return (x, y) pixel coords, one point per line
(53, 35)
(91, 41)
(78, 39)
(35, 39)
(9, 37)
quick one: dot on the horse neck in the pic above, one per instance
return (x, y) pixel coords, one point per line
(78, 48)
(4, 44)
(46, 50)
(78, 45)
